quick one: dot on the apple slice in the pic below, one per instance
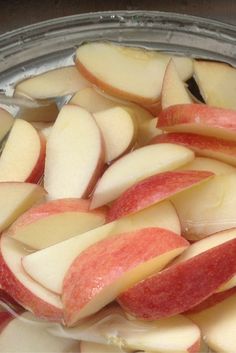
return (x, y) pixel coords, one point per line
(66, 217)
(217, 83)
(154, 189)
(121, 261)
(136, 166)
(177, 289)
(15, 168)
(173, 88)
(6, 122)
(15, 281)
(49, 266)
(199, 119)
(24, 334)
(54, 83)
(207, 208)
(15, 199)
(74, 155)
(90, 347)
(210, 164)
(218, 325)
(207, 146)
(136, 74)
(118, 129)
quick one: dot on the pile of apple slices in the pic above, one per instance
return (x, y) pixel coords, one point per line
(118, 208)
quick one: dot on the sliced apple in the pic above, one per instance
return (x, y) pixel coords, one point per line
(217, 83)
(74, 155)
(207, 146)
(49, 266)
(210, 164)
(136, 166)
(55, 221)
(54, 83)
(5, 318)
(207, 208)
(22, 159)
(118, 129)
(15, 281)
(121, 261)
(173, 88)
(218, 325)
(15, 199)
(199, 119)
(181, 286)
(90, 347)
(154, 189)
(144, 70)
(6, 122)
(24, 334)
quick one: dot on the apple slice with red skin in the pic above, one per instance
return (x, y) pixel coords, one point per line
(155, 189)
(209, 164)
(199, 119)
(15, 281)
(5, 318)
(181, 286)
(206, 146)
(120, 261)
(6, 122)
(67, 218)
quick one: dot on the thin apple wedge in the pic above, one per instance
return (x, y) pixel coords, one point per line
(23, 141)
(15, 199)
(6, 122)
(173, 88)
(217, 83)
(153, 190)
(206, 146)
(54, 221)
(176, 289)
(138, 165)
(121, 261)
(53, 83)
(199, 119)
(209, 164)
(74, 154)
(136, 74)
(49, 266)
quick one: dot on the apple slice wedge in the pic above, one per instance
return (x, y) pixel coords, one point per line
(15, 281)
(32, 146)
(153, 190)
(206, 146)
(199, 119)
(74, 155)
(176, 289)
(15, 199)
(25, 334)
(138, 165)
(217, 83)
(144, 70)
(49, 266)
(209, 164)
(207, 208)
(6, 122)
(121, 261)
(173, 88)
(66, 217)
(54, 83)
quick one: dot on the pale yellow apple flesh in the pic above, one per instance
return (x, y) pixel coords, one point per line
(58, 82)
(49, 266)
(6, 122)
(74, 154)
(209, 164)
(147, 130)
(136, 166)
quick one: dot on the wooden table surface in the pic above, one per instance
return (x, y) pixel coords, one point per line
(17, 13)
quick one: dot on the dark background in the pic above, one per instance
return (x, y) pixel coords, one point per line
(17, 13)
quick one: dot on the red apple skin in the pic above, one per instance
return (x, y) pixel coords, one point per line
(10, 302)
(38, 170)
(207, 146)
(154, 189)
(24, 297)
(197, 114)
(103, 263)
(212, 300)
(5, 318)
(182, 286)
(195, 348)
